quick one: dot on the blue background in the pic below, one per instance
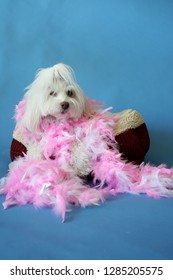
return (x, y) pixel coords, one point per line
(122, 54)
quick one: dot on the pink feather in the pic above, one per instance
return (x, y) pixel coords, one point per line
(53, 183)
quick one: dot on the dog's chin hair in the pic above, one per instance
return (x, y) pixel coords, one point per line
(75, 112)
(39, 105)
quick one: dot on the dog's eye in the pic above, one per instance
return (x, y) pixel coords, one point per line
(70, 93)
(52, 93)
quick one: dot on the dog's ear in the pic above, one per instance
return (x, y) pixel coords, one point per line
(92, 107)
(89, 110)
(32, 115)
(34, 100)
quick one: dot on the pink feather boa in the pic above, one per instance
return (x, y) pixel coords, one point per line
(52, 182)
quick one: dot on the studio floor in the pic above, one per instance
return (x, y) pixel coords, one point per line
(125, 227)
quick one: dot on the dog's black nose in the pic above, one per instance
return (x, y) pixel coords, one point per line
(64, 105)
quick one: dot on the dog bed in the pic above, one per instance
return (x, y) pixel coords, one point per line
(131, 133)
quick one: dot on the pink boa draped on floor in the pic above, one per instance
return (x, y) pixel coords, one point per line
(52, 181)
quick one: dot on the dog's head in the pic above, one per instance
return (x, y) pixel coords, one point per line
(54, 93)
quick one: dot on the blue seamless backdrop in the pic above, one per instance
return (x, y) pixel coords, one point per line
(122, 54)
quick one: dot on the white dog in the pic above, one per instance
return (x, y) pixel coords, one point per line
(55, 95)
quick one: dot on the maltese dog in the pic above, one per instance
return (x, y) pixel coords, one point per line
(54, 94)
